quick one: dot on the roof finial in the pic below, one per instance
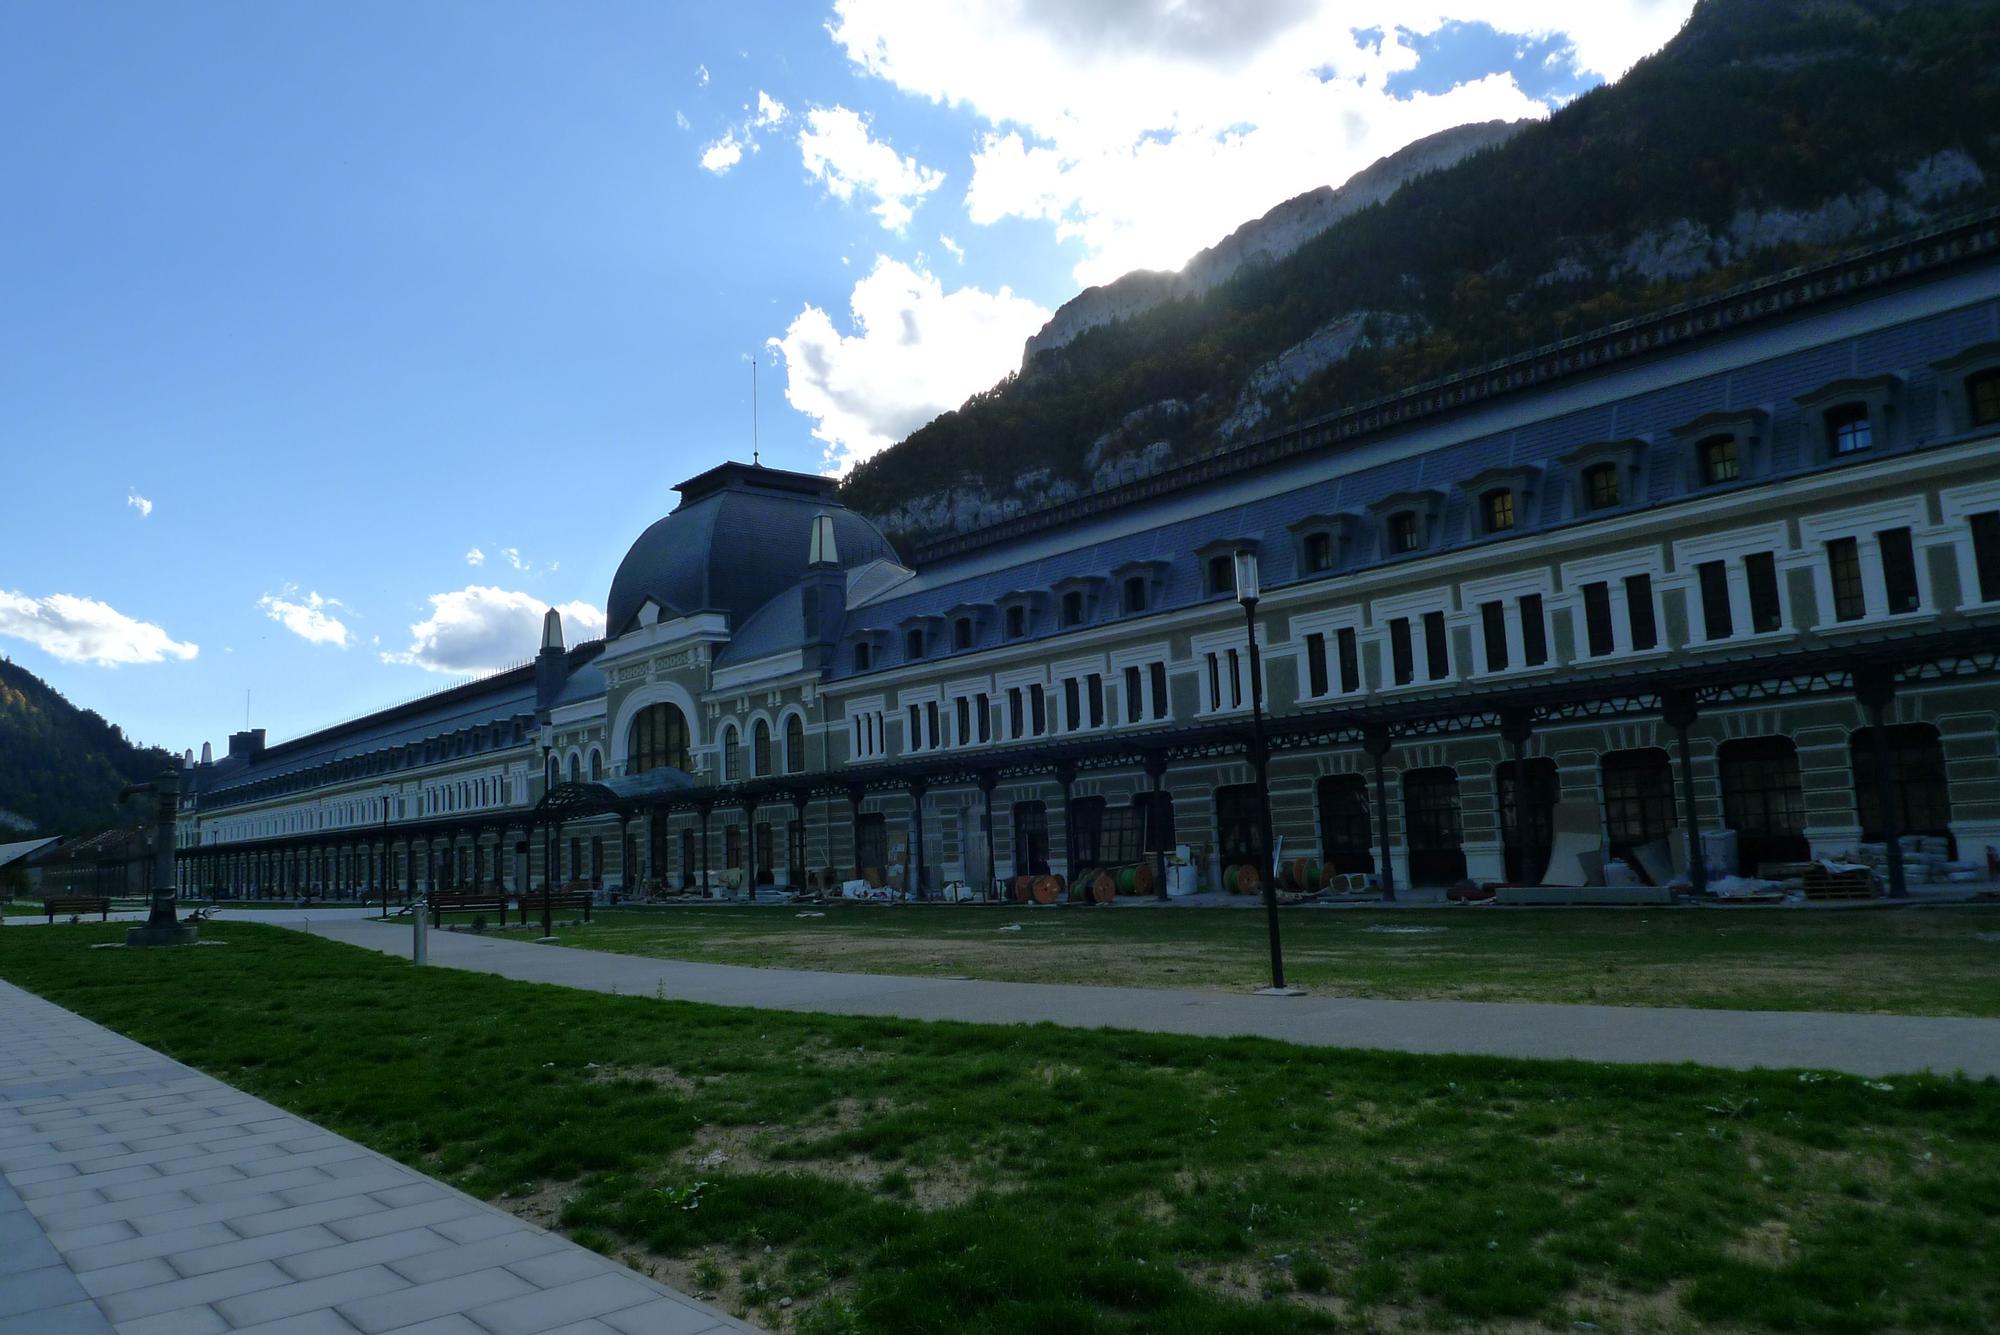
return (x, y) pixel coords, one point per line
(552, 636)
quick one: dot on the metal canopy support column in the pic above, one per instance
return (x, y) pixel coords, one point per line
(1678, 710)
(1066, 776)
(1516, 727)
(704, 808)
(801, 797)
(915, 887)
(1875, 689)
(1376, 741)
(988, 780)
(1156, 774)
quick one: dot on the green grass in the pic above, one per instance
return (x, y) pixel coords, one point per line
(1929, 961)
(938, 1177)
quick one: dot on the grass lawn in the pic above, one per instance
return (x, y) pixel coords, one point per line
(1930, 961)
(914, 1177)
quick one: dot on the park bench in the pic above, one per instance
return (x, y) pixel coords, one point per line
(98, 904)
(570, 897)
(467, 901)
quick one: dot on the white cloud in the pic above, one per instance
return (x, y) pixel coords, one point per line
(83, 630)
(839, 151)
(719, 155)
(139, 503)
(956, 251)
(701, 76)
(1152, 128)
(307, 617)
(915, 351)
(680, 119)
(482, 629)
(475, 557)
(770, 111)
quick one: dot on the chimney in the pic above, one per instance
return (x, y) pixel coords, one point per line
(249, 743)
(207, 754)
(552, 664)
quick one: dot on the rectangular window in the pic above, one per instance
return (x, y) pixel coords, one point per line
(1159, 690)
(931, 714)
(1350, 660)
(915, 740)
(1597, 619)
(1235, 680)
(1134, 706)
(1038, 708)
(1493, 621)
(985, 709)
(1437, 649)
(1214, 681)
(1014, 728)
(1843, 563)
(1072, 704)
(964, 719)
(1716, 622)
(1402, 660)
(1899, 570)
(1094, 693)
(1986, 554)
(1316, 664)
(1639, 610)
(1761, 571)
(1534, 631)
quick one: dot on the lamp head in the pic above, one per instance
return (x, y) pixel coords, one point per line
(1246, 575)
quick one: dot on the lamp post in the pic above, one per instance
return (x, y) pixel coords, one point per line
(387, 800)
(1246, 594)
(548, 867)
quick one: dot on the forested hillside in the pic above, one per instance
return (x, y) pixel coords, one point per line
(1769, 133)
(61, 767)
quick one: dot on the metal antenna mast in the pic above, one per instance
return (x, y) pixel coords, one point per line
(755, 460)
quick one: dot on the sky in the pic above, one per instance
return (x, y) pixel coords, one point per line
(339, 341)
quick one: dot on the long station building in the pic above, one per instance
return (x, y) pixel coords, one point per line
(1732, 566)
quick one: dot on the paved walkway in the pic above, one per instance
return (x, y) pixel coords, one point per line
(140, 1196)
(1869, 1045)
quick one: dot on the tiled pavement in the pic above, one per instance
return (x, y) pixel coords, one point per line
(142, 1197)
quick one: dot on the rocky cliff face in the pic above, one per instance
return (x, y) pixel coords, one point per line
(1267, 239)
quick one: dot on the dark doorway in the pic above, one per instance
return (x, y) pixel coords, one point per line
(1346, 833)
(1236, 828)
(1638, 799)
(1527, 818)
(1156, 822)
(1432, 827)
(871, 843)
(1031, 839)
(1763, 801)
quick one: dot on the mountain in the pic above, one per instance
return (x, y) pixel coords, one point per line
(61, 767)
(1767, 134)
(1264, 240)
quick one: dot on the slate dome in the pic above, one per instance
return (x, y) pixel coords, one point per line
(738, 538)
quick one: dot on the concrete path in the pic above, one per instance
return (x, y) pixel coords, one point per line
(1868, 1045)
(141, 1197)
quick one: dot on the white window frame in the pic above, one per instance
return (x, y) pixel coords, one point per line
(1612, 569)
(1730, 548)
(1414, 607)
(1142, 657)
(921, 697)
(1329, 623)
(1220, 643)
(1862, 523)
(1958, 505)
(1507, 590)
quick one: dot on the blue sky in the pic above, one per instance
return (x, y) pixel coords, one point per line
(338, 340)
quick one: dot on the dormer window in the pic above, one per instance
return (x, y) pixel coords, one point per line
(1600, 487)
(1405, 534)
(1017, 622)
(1221, 575)
(1982, 397)
(913, 643)
(1847, 429)
(1318, 552)
(961, 633)
(1134, 594)
(863, 655)
(1496, 510)
(1072, 608)
(1719, 461)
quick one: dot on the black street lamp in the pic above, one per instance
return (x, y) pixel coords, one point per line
(387, 799)
(1246, 594)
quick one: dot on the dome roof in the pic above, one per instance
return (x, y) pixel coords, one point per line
(739, 537)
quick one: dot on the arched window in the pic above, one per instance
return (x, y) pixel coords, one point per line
(961, 633)
(1135, 593)
(1221, 575)
(1404, 534)
(1017, 622)
(1496, 510)
(1847, 429)
(1072, 608)
(795, 745)
(1718, 460)
(658, 740)
(760, 754)
(575, 768)
(596, 766)
(913, 643)
(554, 778)
(732, 758)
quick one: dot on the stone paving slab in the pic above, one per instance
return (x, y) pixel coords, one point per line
(141, 1197)
(1866, 1045)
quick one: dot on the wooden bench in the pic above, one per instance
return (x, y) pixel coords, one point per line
(466, 901)
(98, 904)
(533, 902)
